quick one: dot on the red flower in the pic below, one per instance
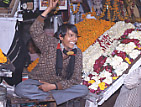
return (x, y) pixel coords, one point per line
(99, 60)
(96, 66)
(125, 41)
(103, 61)
(90, 75)
(108, 68)
(97, 70)
(101, 79)
(131, 60)
(121, 54)
(114, 74)
(123, 36)
(128, 31)
(85, 83)
(114, 52)
(92, 90)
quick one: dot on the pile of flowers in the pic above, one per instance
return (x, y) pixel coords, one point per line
(111, 54)
(89, 30)
(3, 58)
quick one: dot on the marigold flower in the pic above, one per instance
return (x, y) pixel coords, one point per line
(128, 60)
(32, 65)
(114, 78)
(102, 85)
(3, 58)
(89, 30)
(91, 81)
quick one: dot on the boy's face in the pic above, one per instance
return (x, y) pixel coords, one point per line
(69, 40)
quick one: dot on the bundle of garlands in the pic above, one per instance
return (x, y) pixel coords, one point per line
(89, 30)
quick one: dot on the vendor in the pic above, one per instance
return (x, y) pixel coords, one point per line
(59, 70)
(130, 93)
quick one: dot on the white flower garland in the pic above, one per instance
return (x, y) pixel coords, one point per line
(105, 46)
(95, 50)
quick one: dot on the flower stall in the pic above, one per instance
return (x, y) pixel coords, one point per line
(108, 58)
(111, 46)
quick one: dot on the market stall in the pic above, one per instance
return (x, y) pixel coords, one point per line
(107, 61)
(110, 39)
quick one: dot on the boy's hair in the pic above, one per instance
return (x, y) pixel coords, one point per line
(64, 28)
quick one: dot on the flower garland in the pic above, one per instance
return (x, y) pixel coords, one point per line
(122, 12)
(93, 13)
(77, 8)
(107, 6)
(32, 65)
(3, 59)
(104, 44)
(101, 69)
(89, 30)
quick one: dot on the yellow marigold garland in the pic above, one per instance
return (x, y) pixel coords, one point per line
(102, 85)
(114, 78)
(32, 65)
(3, 59)
(91, 81)
(89, 30)
(128, 60)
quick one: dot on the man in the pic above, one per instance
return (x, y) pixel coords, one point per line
(58, 72)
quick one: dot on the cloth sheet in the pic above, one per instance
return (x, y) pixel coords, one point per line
(7, 31)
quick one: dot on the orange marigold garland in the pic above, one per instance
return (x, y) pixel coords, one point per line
(89, 30)
(3, 59)
(107, 6)
(77, 8)
(32, 65)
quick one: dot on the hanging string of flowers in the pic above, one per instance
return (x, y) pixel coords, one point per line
(32, 65)
(107, 6)
(3, 59)
(117, 14)
(93, 13)
(115, 9)
(89, 30)
(77, 8)
(102, 68)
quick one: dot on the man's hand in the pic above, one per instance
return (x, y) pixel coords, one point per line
(47, 86)
(51, 5)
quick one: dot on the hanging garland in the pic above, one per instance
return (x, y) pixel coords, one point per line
(107, 6)
(77, 8)
(116, 13)
(93, 13)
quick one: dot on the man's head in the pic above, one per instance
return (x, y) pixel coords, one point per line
(67, 33)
